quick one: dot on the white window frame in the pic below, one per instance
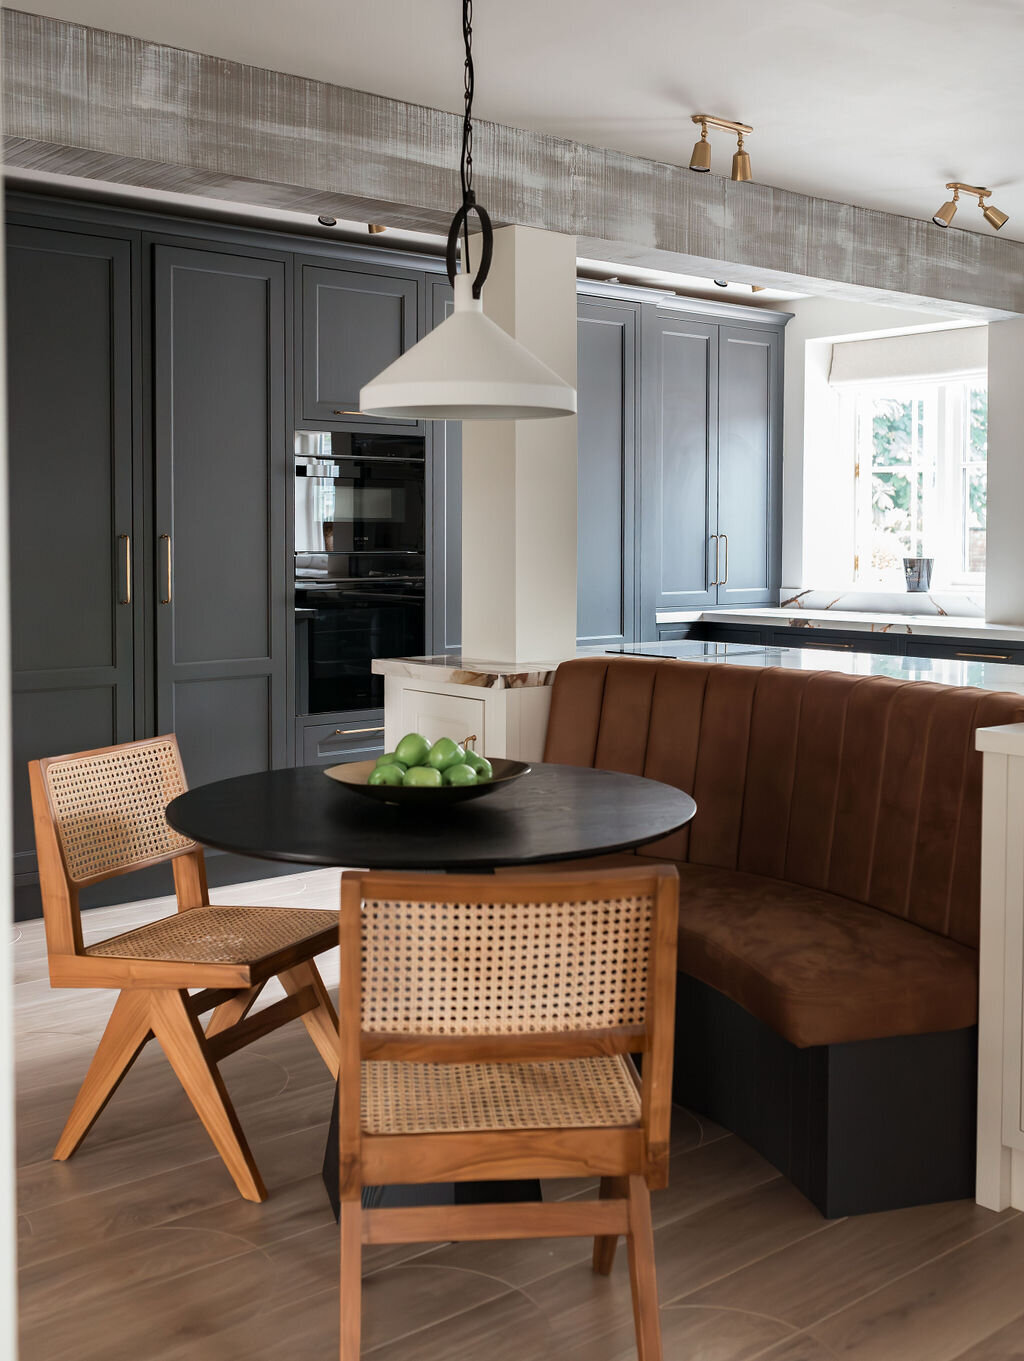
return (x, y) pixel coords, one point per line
(946, 432)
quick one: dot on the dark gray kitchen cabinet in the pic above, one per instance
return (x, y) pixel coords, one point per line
(75, 579)
(606, 366)
(444, 497)
(679, 464)
(749, 465)
(711, 464)
(352, 323)
(222, 459)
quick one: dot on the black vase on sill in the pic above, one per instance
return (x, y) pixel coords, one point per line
(918, 572)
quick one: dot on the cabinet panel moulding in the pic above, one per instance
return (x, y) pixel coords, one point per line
(84, 102)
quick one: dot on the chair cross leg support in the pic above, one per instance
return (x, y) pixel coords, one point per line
(483, 1223)
(322, 1020)
(230, 1009)
(270, 1018)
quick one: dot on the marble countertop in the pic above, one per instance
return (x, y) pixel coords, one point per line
(941, 625)
(448, 670)
(454, 670)
(983, 675)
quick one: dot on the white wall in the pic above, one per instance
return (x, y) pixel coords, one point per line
(1004, 566)
(814, 545)
(8, 1295)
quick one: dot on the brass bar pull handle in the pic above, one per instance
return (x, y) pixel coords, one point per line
(345, 732)
(165, 539)
(987, 656)
(716, 538)
(725, 579)
(126, 599)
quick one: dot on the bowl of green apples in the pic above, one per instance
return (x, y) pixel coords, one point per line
(425, 774)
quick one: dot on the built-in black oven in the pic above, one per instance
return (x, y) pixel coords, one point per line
(360, 527)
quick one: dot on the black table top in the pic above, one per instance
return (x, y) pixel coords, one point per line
(554, 813)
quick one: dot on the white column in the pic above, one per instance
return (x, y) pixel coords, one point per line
(519, 477)
(1004, 565)
(8, 1218)
(1000, 1169)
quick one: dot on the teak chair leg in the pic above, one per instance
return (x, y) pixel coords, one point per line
(604, 1247)
(641, 1272)
(123, 1039)
(350, 1222)
(182, 1040)
(322, 1021)
(231, 1012)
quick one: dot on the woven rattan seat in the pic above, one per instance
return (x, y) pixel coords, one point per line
(219, 935)
(437, 1098)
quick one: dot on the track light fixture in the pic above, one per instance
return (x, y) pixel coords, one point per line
(701, 158)
(947, 212)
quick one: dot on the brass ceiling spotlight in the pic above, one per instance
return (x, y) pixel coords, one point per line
(375, 228)
(701, 158)
(991, 214)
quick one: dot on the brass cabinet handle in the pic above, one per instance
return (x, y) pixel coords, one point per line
(987, 656)
(345, 732)
(126, 599)
(716, 538)
(832, 647)
(165, 539)
(725, 579)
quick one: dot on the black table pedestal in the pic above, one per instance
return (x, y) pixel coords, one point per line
(428, 1193)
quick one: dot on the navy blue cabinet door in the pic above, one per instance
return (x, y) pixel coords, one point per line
(353, 323)
(444, 497)
(679, 488)
(749, 464)
(222, 461)
(74, 576)
(607, 334)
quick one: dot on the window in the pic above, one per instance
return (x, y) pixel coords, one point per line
(919, 453)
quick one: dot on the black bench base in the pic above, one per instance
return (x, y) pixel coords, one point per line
(873, 1125)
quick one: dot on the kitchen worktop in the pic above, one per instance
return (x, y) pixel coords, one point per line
(449, 670)
(845, 621)
(983, 675)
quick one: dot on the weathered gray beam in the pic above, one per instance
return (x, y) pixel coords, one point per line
(81, 101)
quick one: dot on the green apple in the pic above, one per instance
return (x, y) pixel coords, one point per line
(413, 750)
(445, 753)
(480, 764)
(460, 774)
(390, 774)
(421, 777)
(390, 759)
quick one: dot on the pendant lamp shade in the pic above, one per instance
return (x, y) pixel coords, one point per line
(468, 369)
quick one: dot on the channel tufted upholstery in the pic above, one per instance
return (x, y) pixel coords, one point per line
(830, 879)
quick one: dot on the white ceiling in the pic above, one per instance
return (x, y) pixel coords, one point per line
(867, 101)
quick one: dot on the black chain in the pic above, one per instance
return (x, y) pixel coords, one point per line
(466, 164)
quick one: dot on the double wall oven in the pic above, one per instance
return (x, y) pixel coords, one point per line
(360, 530)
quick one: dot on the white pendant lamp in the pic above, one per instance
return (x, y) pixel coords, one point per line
(469, 368)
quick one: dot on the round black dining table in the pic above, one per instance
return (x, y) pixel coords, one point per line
(553, 813)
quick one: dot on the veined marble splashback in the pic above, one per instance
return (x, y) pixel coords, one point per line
(886, 602)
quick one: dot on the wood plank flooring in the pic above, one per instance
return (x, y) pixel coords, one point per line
(140, 1247)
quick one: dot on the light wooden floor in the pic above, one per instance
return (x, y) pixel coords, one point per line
(140, 1249)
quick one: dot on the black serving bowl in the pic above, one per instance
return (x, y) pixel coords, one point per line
(354, 774)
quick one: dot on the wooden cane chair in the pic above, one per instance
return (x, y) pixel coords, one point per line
(486, 1024)
(101, 813)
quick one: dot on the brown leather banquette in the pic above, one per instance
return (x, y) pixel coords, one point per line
(829, 883)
